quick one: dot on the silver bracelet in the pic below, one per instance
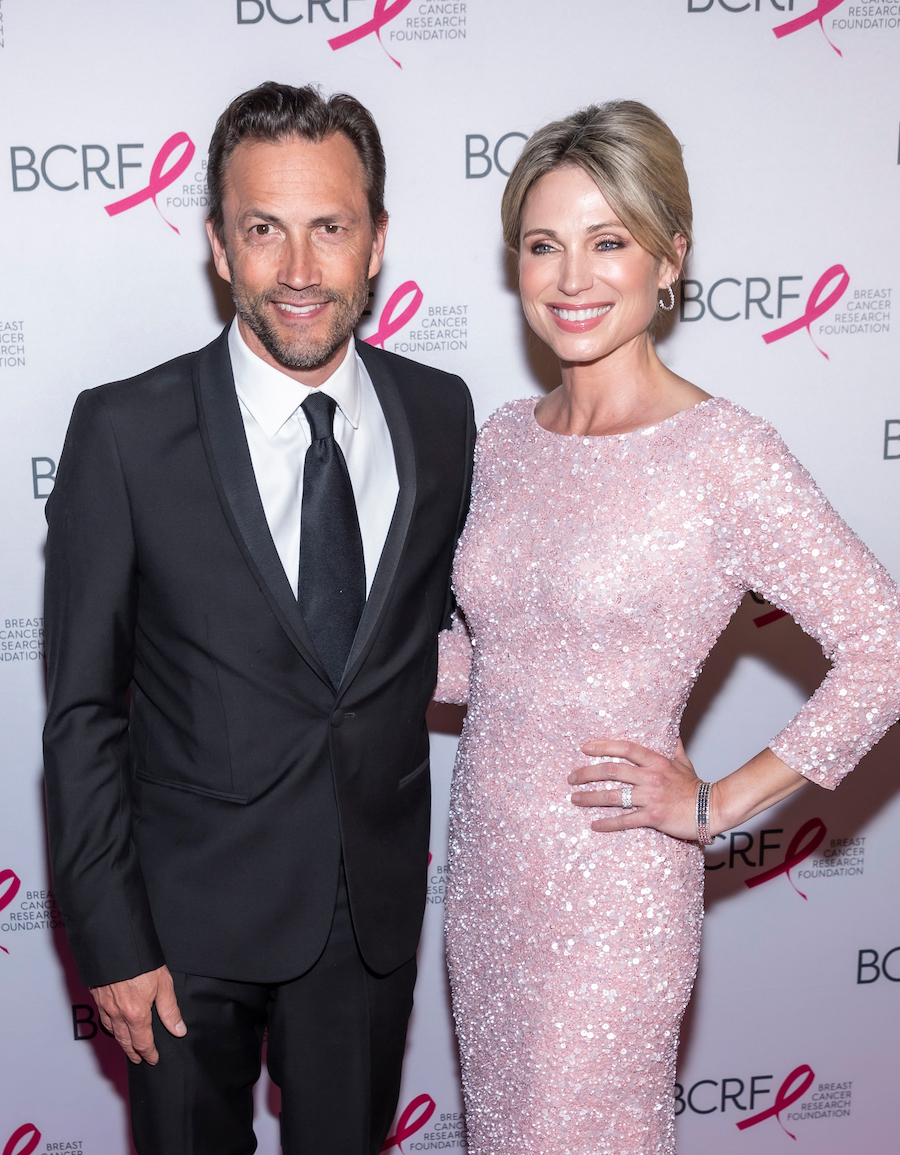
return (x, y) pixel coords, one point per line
(703, 835)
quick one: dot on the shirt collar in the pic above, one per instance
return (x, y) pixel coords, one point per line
(272, 397)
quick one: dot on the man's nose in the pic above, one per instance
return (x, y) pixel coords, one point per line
(301, 267)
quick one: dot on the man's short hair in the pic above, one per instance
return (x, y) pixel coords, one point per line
(277, 112)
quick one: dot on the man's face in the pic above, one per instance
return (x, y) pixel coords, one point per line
(298, 248)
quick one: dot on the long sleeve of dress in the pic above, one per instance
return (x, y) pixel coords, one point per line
(784, 540)
(454, 663)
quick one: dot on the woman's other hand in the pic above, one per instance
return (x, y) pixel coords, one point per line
(663, 790)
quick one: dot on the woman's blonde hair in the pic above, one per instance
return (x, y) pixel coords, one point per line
(633, 157)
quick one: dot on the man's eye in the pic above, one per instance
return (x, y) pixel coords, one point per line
(261, 230)
(332, 230)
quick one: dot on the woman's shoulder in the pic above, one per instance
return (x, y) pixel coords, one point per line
(733, 430)
(748, 454)
(512, 419)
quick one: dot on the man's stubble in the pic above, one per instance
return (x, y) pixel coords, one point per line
(254, 310)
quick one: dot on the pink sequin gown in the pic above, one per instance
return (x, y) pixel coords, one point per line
(595, 574)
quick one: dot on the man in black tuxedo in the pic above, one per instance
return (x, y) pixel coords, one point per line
(255, 540)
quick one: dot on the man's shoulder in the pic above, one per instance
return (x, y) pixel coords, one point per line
(412, 373)
(170, 382)
(425, 390)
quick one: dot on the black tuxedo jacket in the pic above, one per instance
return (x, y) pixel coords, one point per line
(202, 823)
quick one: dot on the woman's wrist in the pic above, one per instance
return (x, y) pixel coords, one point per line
(718, 821)
(704, 837)
(759, 784)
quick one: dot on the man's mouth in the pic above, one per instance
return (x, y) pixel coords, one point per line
(298, 310)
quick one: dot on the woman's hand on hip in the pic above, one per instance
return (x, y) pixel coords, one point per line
(663, 790)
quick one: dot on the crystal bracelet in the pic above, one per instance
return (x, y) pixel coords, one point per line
(703, 835)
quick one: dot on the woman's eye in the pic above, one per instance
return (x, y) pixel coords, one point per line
(541, 247)
(607, 244)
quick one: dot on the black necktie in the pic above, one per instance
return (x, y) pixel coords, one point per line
(331, 590)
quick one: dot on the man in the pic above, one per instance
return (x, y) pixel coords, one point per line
(256, 539)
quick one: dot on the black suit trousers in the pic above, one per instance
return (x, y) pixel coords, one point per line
(336, 1037)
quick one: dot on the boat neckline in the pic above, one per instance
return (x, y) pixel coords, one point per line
(674, 417)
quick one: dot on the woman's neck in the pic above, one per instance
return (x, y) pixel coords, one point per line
(626, 390)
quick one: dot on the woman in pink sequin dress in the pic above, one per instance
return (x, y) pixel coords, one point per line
(615, 527)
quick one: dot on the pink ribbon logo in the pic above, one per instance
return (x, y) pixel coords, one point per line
(410, 1122)
(388, 324)
(384, 13)
(784, 1098)
(815, 306)
(816, 16)
(7, 896)
(27, 1131)
(159, 179)
(796, 852)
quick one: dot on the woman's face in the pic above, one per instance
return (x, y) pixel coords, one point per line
(587, 286)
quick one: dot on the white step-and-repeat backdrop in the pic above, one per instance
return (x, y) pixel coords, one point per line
(789, 113)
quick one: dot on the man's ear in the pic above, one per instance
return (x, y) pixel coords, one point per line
(220, 257)
(377, 244)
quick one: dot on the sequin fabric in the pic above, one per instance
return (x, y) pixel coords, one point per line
(595, 574)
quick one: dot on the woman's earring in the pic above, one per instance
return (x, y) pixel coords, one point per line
(671, 305)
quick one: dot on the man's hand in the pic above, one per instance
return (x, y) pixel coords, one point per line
(125, 1011)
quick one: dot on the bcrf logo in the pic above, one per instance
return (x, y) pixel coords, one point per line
(816, 15)
(706, 5)
(63, 167)
(333, 11)
(708, 1096)
(736, 298)
(293, 11)
(805, 842)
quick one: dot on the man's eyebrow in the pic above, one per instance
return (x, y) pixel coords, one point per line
(316, 223)
(261, 215)
(329, 219)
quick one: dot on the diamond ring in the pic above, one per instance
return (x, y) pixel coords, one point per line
(626, 798)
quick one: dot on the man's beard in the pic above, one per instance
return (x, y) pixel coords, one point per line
(301, 352)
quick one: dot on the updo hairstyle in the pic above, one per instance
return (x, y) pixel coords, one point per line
(631, 155)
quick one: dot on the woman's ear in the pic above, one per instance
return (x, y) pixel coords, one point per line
(680, 243)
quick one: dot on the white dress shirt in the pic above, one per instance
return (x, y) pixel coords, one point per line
(278, 435)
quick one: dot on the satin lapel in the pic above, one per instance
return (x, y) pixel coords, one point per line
(405, 457)
(222, 432)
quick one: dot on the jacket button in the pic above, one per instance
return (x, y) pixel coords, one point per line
(337, 718)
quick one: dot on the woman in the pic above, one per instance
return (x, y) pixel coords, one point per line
(615, 527)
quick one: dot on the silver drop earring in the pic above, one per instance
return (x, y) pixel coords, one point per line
(671, 305)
